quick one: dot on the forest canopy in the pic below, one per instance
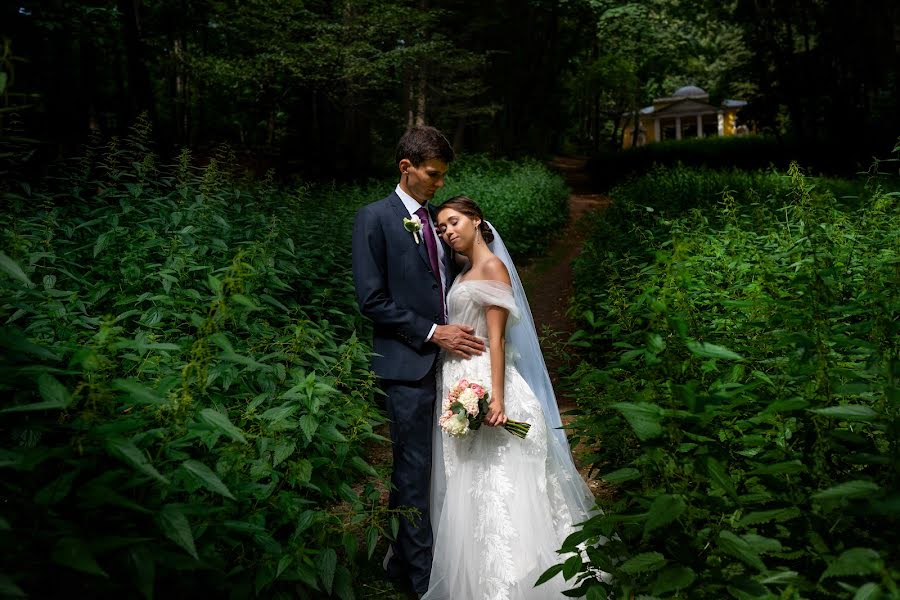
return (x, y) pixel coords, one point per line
(325, 88)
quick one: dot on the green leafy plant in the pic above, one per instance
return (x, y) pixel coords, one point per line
(188, 406)
(525, 200)
(739, 388)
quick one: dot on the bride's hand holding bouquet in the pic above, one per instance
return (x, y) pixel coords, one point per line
(469, 404)
(496, 414)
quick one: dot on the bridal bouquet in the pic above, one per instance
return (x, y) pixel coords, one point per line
(465, 408)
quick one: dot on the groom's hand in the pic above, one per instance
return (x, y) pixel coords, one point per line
(458, 339)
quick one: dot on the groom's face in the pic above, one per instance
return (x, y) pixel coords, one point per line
(422, 182)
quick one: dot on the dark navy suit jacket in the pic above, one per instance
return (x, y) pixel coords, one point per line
(396, 289)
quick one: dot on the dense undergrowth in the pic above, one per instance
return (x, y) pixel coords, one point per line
(739, 387)
(525, 201)
(188, 407)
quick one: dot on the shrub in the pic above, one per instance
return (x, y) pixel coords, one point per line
(188, 396)
(740, 390)
(526, 201)
(744, 152)
(188, 406)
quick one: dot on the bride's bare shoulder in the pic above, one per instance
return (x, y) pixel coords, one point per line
(495, 269)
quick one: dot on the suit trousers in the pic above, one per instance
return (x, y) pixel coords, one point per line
(410, 407)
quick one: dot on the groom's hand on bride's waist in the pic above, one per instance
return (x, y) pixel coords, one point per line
(459, 340)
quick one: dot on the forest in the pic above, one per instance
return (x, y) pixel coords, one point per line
(189, 401)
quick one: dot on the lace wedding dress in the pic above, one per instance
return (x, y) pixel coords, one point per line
(501, 506)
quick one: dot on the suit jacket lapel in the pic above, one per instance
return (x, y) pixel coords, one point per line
(401, 211)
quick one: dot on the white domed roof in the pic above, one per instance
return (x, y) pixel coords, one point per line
(689, 90)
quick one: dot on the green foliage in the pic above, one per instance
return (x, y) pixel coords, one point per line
(740, 386)
(525, 200)
(737, 152)
(188, 401)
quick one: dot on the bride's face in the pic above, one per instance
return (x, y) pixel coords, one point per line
(457, 229)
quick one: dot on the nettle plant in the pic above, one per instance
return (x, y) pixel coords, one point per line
(740, 391)
(187, 407)
(526, 201)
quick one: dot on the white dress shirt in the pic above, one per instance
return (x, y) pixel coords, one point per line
(412, 205)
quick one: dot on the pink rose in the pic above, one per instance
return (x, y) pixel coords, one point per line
(479, 391)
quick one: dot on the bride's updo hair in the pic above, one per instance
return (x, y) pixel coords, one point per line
(468, 207)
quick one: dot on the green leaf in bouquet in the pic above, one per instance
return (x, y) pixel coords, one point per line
(175, 526)
(206, 476)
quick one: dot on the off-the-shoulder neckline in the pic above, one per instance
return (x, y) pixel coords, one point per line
(482, 280)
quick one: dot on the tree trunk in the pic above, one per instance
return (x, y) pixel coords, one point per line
(420, 101)
(140, 90)
(459, 134)
(409, 100)
(180, 108)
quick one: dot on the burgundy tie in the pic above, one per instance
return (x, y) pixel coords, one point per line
(431, 246)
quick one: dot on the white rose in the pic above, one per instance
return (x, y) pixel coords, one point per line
(457, 425)
(470, 401)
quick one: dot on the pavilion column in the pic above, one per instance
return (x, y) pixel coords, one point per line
(677, 128)
(657, 135)
(721, 119)
(699, 126)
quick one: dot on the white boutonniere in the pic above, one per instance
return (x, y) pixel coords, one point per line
(414, 226)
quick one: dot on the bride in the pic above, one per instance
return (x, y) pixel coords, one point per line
(501, 506)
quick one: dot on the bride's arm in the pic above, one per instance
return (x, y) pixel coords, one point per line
(496, 326)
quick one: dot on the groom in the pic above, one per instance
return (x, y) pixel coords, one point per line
(402, 270)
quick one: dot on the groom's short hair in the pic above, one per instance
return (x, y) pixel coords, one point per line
(422, 143)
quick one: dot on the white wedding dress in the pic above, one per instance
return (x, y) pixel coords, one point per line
(501, 506)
